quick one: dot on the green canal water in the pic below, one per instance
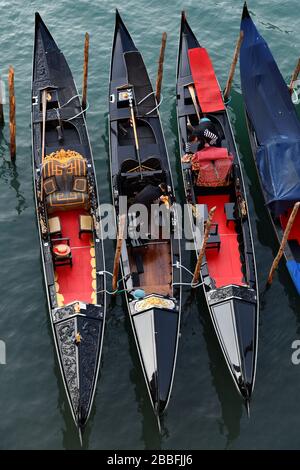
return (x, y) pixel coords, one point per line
(205, 411)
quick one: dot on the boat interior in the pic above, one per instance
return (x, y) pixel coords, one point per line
(149, 251)
(65, 190)
(215, 184)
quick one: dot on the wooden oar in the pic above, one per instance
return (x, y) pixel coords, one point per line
(203, 247)
(44, 109)
(283, 242)
(233, 66)
(130, 97)
(120, 239)
(194, 99)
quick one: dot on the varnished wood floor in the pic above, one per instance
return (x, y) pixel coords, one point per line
(157, 276)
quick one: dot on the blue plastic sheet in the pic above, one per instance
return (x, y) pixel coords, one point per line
(273, 116)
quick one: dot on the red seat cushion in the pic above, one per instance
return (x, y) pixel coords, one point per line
(206, 84)
(213, 165)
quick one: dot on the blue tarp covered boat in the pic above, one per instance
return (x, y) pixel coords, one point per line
(274, 130)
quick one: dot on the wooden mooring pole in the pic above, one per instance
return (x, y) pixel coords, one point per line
(203, 247)
(1, 102)
(85, 70)
(12, 112)
(283, 242)
(233, 66)
(120, 238)
(160, 66)
(295, 76)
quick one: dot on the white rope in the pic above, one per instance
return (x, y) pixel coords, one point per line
(190, 284)
(147, 96)
(65, 104)
(156, 107)
(178, 265)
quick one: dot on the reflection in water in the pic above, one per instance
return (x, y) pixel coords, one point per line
(231, 403)
(150, 433)
(9, 174)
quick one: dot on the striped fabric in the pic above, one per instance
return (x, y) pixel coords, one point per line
(73, 166)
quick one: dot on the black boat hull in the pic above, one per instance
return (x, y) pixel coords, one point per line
(156, 326)
(79, 362)
(234, 309)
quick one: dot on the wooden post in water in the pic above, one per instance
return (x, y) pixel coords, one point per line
(233, 66)
(85, 70)
(120, 238)
(202, 250)
(283, 242)
(1, 103)
(295, 76)
(160, 66)
(12, 112)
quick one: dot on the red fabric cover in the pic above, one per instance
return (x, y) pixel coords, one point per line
(224, 266)
(295, 231)
(207, 87)
(214, 165)
(213, 153)
(75, 283)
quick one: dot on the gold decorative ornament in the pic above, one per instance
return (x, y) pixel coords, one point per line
(154, 302)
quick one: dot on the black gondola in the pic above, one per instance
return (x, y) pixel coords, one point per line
(68, 216)
(150, 265)
(213, 177)
(274, 132)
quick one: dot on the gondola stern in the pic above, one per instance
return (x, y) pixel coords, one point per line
(43, 32)
(245, 13)
(157, 416)
(185, 29)
(183, 17)
(235, 320)
(80, 433)
(38, 18)
(120, 27)
(159, 361)
(247, 406)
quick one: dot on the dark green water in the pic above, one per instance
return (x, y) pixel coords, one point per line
(205, 410)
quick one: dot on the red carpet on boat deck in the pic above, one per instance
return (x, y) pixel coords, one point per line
(224, 266)
(295, 231)
(75, 283)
